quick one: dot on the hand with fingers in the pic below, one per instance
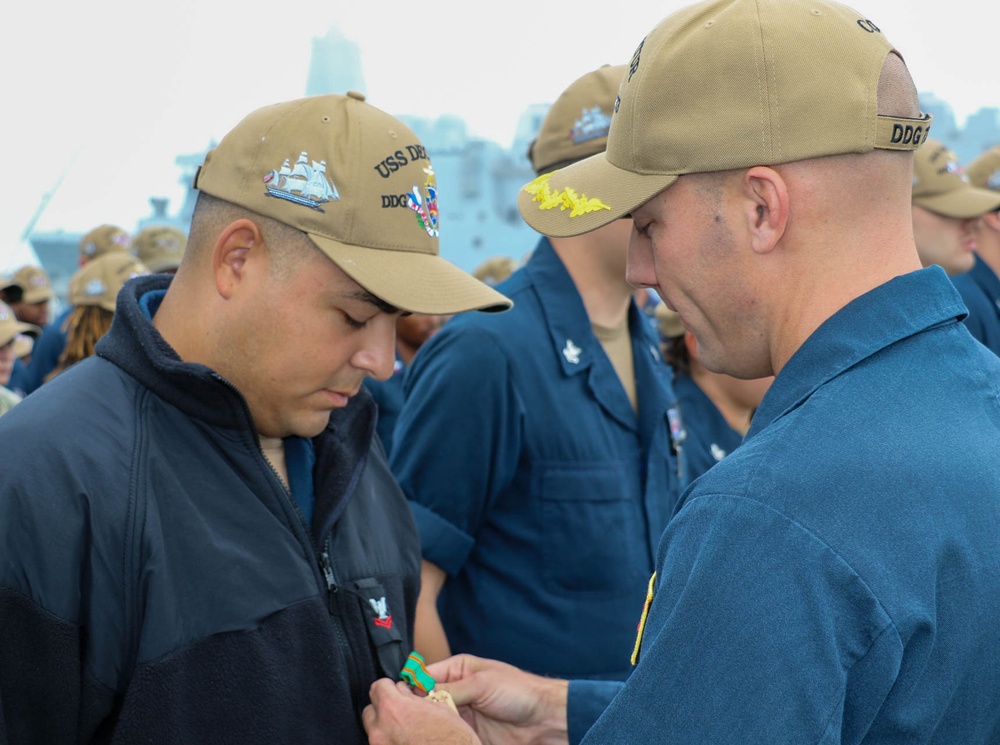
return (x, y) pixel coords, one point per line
(499, 705)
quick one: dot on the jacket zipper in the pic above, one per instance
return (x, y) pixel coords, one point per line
(332, 590)
(323, 559)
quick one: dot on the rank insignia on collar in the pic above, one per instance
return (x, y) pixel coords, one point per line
(571, 352)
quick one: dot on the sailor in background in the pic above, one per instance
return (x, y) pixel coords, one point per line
(717, 408)
(535, 450)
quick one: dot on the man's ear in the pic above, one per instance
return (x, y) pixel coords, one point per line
(691, 344)
(232, 249)
(992, 220)
(767, 207)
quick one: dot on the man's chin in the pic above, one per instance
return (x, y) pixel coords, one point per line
(306, 426)
(312, 426)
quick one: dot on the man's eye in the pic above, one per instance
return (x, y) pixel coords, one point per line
(353, 322)
(642, 230)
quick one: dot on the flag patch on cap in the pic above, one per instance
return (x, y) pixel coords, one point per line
(425, 207)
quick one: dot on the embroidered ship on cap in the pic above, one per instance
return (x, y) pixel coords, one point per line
(593, 123)
(304, 183)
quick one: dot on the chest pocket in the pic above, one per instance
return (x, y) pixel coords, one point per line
(592, 529)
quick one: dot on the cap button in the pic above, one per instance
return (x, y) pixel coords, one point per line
(356, 95)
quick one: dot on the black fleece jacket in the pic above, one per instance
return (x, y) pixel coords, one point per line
(157, 582)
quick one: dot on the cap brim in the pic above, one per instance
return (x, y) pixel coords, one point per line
(37, 297)
(961, 203)
(412, 281)
(587, 195)
(23, 344)
(13, 329)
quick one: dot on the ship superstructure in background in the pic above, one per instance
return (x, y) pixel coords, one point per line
(477, 180)
(472, 205)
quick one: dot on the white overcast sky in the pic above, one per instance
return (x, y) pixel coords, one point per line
(105, 94)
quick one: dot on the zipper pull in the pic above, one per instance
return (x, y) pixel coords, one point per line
(327, 568)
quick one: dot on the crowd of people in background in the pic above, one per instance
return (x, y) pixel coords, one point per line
(90, 299)
(295, 445)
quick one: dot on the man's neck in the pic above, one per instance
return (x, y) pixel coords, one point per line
(735, 413)
(605, 293)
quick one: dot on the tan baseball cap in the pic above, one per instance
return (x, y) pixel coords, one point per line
(984, 170)
(727, 84)
(360, 184)
(160, 247)
(576, 125)
(36, 287)
(11, 328)
(23, 344)
(104, 238)
(941, 185)
(99, 281)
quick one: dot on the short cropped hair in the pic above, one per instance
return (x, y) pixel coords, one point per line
(287, 247)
